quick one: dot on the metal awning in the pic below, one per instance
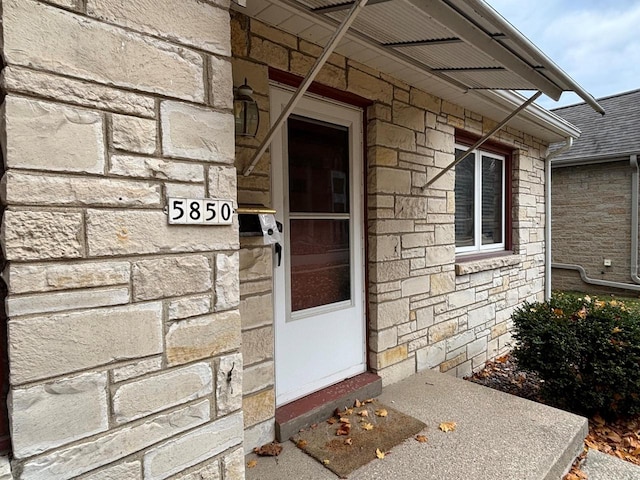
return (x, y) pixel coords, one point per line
(465, 43)
(450, 48)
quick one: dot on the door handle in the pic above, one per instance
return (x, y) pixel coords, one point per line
(279, 253)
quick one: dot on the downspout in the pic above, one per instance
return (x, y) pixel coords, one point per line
(635, 176)
(547, 217)
(633, 160)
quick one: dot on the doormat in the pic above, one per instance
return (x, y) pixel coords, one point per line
(355, 436)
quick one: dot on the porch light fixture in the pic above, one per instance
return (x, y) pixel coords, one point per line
(245, 111)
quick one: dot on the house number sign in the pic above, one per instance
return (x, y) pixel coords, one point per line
(200, 211)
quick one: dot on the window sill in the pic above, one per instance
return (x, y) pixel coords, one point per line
(490, 261)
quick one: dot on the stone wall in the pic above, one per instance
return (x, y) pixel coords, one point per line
(425, 310)
(124, 332)
(591, 221)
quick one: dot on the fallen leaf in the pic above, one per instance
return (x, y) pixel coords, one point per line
(348, 441)
(313, 426)
(345, 420)
(379, 454)
(357, 403)
(616, 330)
(367, 426)
(345, 429)
(381, 413)
(447, 426)
(251, 463)
(421, 438)
(348, 411)
(301, 443)
(332, 420)
(369, 400)
(364, 413)
(326, 462)
(272, 449)
(613, 436)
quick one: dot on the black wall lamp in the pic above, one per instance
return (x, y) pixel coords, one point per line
(245, 111)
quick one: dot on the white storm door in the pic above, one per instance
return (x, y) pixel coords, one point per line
(318, 285)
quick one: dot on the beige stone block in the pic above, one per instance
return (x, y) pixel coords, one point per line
(34, 83)
(196, 132)
(122, 471)
(256, 311)
(389, 314)
(233, 465)
(461, 299)
(389, 180)
(220, 82)
(203, 337)
(381, 156)
(133, 134)
(415, 286)
(442, 283)
(390, 270)
(210, 471)
(392, 136)
(189, 307)
(196, 24)
(453, 362)
(222, 182)
(258, 377)
(192, 448)
(227, 284)
(259, 434)
(181, 190)
(257, 345)
(47, 38)
(160, 392)
(48, 136)
(257, 75)
(398, 371)
(41, 347)
(498, 330)
(171, 277)
(53, 414)
(70, 462)
(443, 330)
(452, 109)
(411, 207)
(379, 111)
(383, 339)
(21, 188)
(60, 301)
(329, 74)
(259, 407)
(147, 167)
(416, 240)
(58, 276)
(391, 356)
(37, 235)
(431, 356)
(369, 86)
(269, 53)
(384, 248)
(128, 232)
(255, 264)
(274, 34)
(136, 369)
(425, 100)
(229, 374)
(440, 141)
(408, 116)
(440, 255)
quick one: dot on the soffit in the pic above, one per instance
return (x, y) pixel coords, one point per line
(459, 50)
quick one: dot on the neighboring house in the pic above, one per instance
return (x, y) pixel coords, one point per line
(142, 349)
(595, 199)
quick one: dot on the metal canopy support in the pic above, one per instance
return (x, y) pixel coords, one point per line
(484, 139)
(306, 83)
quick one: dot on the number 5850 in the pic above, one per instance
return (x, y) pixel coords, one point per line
(200, 211)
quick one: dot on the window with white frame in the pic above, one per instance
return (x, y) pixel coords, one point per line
(480, 202)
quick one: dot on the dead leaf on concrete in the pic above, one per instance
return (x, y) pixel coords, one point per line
(357, 403)
(251, 463)
(301, 444)
(379, 454)
(367, 426)
(348, 441)
(272, 449)
(447, 426)
(381, 412)
(364, 413)
(421, 438)
(326, 462)
(345, 429)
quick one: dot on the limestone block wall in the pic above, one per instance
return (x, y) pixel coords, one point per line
(591, 221)
(427, 309)
(123, 332)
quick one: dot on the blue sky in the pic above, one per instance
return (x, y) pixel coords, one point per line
(596, 42)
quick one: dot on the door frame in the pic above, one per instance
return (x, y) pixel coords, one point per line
(358, 211)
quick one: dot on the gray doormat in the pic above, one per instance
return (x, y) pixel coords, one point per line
(356, 436)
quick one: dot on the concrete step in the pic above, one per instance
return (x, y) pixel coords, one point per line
(600, 466)
(498, 436)
(319, 406)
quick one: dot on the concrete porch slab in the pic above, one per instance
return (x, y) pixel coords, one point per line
(498, 436)
(600, 466)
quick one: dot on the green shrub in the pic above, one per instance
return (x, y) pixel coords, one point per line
(586, 350)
